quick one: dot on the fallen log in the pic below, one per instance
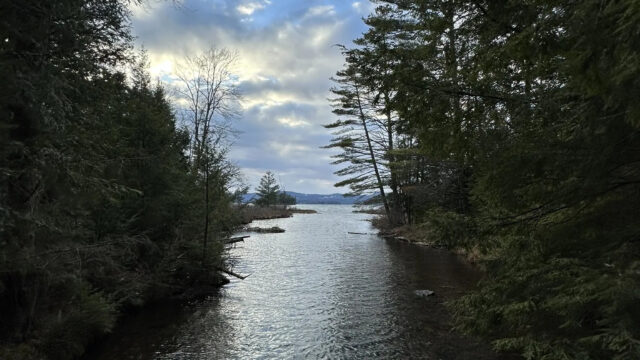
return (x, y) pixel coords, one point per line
(229, 272)
(357, 233)
(234, 240)
(273, 229)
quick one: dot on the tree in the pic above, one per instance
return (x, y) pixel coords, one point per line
(211, 96)
(354, 135)
(100, 206)
(286, 199)
(522, 120)
(54, 58)
(373, 56)
(268, 190)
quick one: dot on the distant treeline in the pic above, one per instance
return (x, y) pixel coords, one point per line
(301, 198)
(511, 128)
(105, 201)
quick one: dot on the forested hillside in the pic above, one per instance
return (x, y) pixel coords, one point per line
(510, 128)
(101, 208)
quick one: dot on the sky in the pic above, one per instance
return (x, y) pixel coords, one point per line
(286, 56)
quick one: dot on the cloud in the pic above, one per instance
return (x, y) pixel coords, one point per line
(292, 122)
(325, 10)
(364, 7)
(251, 7)
(286, 57)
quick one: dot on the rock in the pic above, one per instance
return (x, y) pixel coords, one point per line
(424, 293)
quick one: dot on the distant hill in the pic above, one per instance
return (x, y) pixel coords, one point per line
(318, 198)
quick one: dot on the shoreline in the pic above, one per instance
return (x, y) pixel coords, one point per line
(417, 235)
(445, 342)
(250, 213)
(199, 289)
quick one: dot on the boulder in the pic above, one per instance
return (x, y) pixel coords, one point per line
(424, 293)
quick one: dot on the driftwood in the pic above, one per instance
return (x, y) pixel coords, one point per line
(273, 229)
(234, 240)
(229, 272)
(357, 233)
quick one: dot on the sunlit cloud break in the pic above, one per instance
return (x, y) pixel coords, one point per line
(251, 7)
(286, 56)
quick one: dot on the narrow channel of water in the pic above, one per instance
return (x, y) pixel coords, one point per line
(315, 291)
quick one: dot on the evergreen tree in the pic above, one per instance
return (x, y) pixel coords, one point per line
(268, 190)
(528, 111)
(99, 207)
(355, 135)
(286, 199)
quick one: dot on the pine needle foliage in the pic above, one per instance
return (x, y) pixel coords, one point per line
(97, 198)
(533, 105)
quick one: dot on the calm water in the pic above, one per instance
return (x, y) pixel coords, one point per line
(315, 291)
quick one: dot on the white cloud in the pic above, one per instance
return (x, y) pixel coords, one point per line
(292, 122)
(324, 10)
(364, 7)
(251, 7)
(289, 149)
(284, 67)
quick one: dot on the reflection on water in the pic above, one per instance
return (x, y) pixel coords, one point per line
(315, 291)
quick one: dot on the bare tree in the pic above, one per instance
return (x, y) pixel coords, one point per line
(209, 98)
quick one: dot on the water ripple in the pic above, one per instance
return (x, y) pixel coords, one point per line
(316, 292)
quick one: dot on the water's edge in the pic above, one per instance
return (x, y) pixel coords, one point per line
(314, 291)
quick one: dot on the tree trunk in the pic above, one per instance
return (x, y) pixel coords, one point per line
(373, 158)
(395, 200)
(206, 214)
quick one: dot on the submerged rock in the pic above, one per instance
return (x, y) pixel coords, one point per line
(424, 293)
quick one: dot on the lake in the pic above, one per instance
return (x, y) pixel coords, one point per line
(315, 291)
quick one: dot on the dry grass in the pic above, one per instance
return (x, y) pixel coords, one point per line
(420, 234)
(250, 213)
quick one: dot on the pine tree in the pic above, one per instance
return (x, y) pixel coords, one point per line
(268, 190)
(355, 135)
(286, 199)
(99, 206)
(532, 106)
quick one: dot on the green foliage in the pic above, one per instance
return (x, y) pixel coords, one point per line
(448, 228)
(21, 351)
(88, 316)
(268, 190)
(100, 208)
(521, 129)
(286, 199)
